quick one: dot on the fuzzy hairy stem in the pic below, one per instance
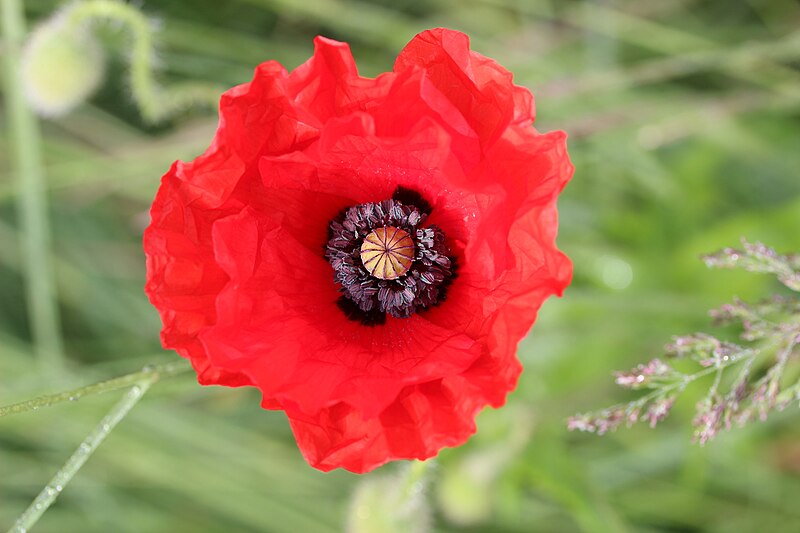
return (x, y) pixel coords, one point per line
(155, 103)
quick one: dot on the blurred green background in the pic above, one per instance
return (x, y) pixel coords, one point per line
(684, 124)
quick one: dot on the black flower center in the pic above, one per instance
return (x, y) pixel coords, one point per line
(385, 262)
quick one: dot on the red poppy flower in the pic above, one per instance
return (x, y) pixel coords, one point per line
(367, 252)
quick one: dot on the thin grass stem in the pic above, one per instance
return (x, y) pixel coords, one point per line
(148, 373)
(49, 494)
(26, 150)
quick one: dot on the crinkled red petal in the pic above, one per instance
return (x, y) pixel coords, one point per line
(235, 260)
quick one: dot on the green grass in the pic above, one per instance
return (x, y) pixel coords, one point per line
(683, 118)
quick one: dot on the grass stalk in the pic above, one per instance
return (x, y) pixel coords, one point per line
(148, 373)
(49, 494)
(26, 151)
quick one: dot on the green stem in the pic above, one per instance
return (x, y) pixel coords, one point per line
(25, 139)
(49, 494)
(150, 373)
(416, 474)
(776, 372)
(156, 103)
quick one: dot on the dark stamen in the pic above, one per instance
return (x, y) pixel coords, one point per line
(412, 197)
(353, 312)
(385, 262)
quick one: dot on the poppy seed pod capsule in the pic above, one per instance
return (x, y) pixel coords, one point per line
(387, 253)
(62, 65)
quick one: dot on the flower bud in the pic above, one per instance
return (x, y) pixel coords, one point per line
(62, 65)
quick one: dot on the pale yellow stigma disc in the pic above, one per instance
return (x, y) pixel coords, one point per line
(388, 252)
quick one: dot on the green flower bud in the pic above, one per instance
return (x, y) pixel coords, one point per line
(62, 65)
